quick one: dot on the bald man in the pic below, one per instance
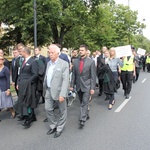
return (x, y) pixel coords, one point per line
(56, 84)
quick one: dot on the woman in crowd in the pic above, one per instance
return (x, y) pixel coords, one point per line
(5, 95)
(109, 70)
(113, 63)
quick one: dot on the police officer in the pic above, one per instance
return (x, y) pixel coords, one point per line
(148, 63)
(127, 73)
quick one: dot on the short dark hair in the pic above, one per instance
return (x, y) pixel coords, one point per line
(83, 45)
(15, 48)
(39, 48)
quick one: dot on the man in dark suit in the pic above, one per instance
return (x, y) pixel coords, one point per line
(84, 77)
(6, 62)
(27, 85)
(18, 64)
(16, 55)
(42, 68)
(100, 62)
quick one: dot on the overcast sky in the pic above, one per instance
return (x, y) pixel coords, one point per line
(143, 8)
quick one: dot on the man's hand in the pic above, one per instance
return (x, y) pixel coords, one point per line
(8, 92)
(13, 84)
(61, 99)
(92, 92)
(17, 87)
(71, 89)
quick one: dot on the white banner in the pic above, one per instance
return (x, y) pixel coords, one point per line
(141, 51)
(123, 51)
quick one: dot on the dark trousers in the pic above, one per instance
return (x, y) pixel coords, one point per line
(137, 69)
(126, 79)
(148, 67)
(16, 88)
(100, 85)
(144, 66)
(111, 98)
(84, 101)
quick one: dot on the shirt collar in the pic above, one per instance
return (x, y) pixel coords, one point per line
(54, 63)
(26, 59)
(38, 55)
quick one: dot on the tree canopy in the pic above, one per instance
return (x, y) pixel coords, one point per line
(70, 23)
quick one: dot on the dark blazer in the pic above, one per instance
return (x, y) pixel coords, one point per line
(27, 95)
(6, 63)
(86, 80)
(64, 57)
(17, 68)
(42, 62)
(41, 71)
(43, 58)
(5, 79)
(100, 66)
(109, 84)
(29, 71)
(13, 64)
(28, 74)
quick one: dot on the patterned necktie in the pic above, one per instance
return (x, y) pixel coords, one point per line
(81, 65)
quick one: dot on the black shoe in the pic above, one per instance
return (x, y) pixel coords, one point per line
(42, 102)
(100, 94)
(107, 98)
(81, 125)
(88, 117)
(26, 123)
(21, 118)
(51, 131)
(32, 119)
(45, 120)
(125, 93)
(57, 134)
(127, 96)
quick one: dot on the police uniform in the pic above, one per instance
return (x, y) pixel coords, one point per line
(127, 74)
(148, 63)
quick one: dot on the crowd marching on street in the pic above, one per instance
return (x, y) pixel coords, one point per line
(59, 77)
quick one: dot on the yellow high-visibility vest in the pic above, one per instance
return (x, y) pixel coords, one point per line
(128, 64)
(148, 60)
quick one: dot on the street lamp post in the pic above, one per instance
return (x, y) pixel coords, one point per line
(128, 2)
(35, 26)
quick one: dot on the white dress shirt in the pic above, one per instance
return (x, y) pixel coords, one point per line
(50, 72)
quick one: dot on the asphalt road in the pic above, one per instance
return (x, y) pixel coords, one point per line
(125, 127)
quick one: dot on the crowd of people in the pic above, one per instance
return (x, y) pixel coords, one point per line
(38, 79)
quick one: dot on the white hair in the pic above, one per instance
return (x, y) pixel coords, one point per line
(56, 48)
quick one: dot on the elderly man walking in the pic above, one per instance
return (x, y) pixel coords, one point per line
(56, 84)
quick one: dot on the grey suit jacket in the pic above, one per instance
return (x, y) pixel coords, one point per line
(59, 81)
(86, 80)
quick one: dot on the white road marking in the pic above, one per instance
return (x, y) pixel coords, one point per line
(144, 80)
(122, 105)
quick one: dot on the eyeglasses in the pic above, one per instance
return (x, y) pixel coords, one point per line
(1, 59)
